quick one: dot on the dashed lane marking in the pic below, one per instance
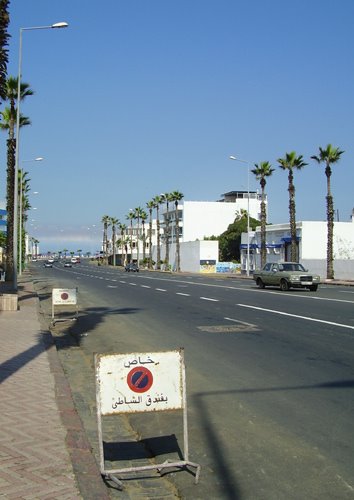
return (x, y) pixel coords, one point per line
(297, 316)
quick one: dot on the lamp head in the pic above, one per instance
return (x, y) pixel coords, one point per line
(60, 25)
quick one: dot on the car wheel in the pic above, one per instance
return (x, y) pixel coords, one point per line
(284, 285)
(313, 288)
(260, 283)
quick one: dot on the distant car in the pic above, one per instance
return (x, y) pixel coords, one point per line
(74, 260)
(48, 264)
(50, 260)
(68, 264)
(286, 275)
(132, 267)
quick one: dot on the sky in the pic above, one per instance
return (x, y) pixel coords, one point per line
(137, 98)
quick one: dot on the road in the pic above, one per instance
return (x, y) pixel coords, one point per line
(270, 375)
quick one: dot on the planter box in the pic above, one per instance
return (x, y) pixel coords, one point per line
(8, 302)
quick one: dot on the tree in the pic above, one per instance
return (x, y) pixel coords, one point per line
(130, 216)
(230, 240)
(23, 190)
(9, 123)
(143, 217)
(150, 205)
(105, 221)
(262, 171)
(113, 223)
(290, 162)
(167, 198)
(157, 202)
(123, 229)
(4, 37)
(329, 156)
(137, 215)
(176, 197)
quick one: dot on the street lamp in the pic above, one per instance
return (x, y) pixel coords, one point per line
(15, 208)
(21, 215)
(248, 211)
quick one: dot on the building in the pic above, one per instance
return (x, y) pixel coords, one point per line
(311, 243)
(200, 219)
(196, 220)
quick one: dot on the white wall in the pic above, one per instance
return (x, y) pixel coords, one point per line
(191, 253)
(208, 218)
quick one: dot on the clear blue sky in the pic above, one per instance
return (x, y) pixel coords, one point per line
(137, 98)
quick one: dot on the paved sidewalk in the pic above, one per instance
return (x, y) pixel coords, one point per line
(40, 432)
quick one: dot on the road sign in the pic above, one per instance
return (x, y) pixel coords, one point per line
(137, 382)
(64, 296)
(124, 384)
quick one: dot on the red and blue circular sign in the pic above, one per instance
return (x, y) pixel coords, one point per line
(140, 379)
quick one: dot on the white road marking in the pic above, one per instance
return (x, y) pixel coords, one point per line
(160, 290)
(297, 316)
(145, 286)
(207, 298)
(242, 322)
(111, 286)
(184, 294)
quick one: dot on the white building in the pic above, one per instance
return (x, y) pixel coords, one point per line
(196, 220)
(312, 247)
(199, 219)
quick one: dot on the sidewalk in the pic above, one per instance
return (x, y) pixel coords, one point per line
(41, 435)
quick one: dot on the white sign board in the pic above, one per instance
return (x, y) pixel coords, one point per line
(64, 296)
(139, 382)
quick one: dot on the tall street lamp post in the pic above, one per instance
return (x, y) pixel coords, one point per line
(21, 215)
(15, 208)
(248, 211)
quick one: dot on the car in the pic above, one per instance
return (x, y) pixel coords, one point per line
(74, 260)
(68, 264)
(286, 275)
(48, 264)
(50, 260)
(132, 267)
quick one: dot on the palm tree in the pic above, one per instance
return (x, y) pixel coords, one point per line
(114, 223)
(143, 217)
(150, 205)
(23, 190)
(36, 243)
(329, 156)
(9, 121)
(130, 216)
(167, 199)
(4, 37)
(65, 250)
(137, 215)
(123, 228)
(262, 171)
(8, 124)
(157, 202)
(177, 196)
(105, 221)
(290, 162)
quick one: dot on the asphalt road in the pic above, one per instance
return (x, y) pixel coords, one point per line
(270, 375)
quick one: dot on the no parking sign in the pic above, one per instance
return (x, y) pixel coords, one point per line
(64, 297)
(128, 383)
(141, 382)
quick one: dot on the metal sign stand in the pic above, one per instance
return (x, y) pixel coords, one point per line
(181, 464)
(70, 298)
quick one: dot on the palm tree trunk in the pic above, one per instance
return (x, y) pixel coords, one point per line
(11, 147)
(292, 217)
(158, 257)
(177, 239)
